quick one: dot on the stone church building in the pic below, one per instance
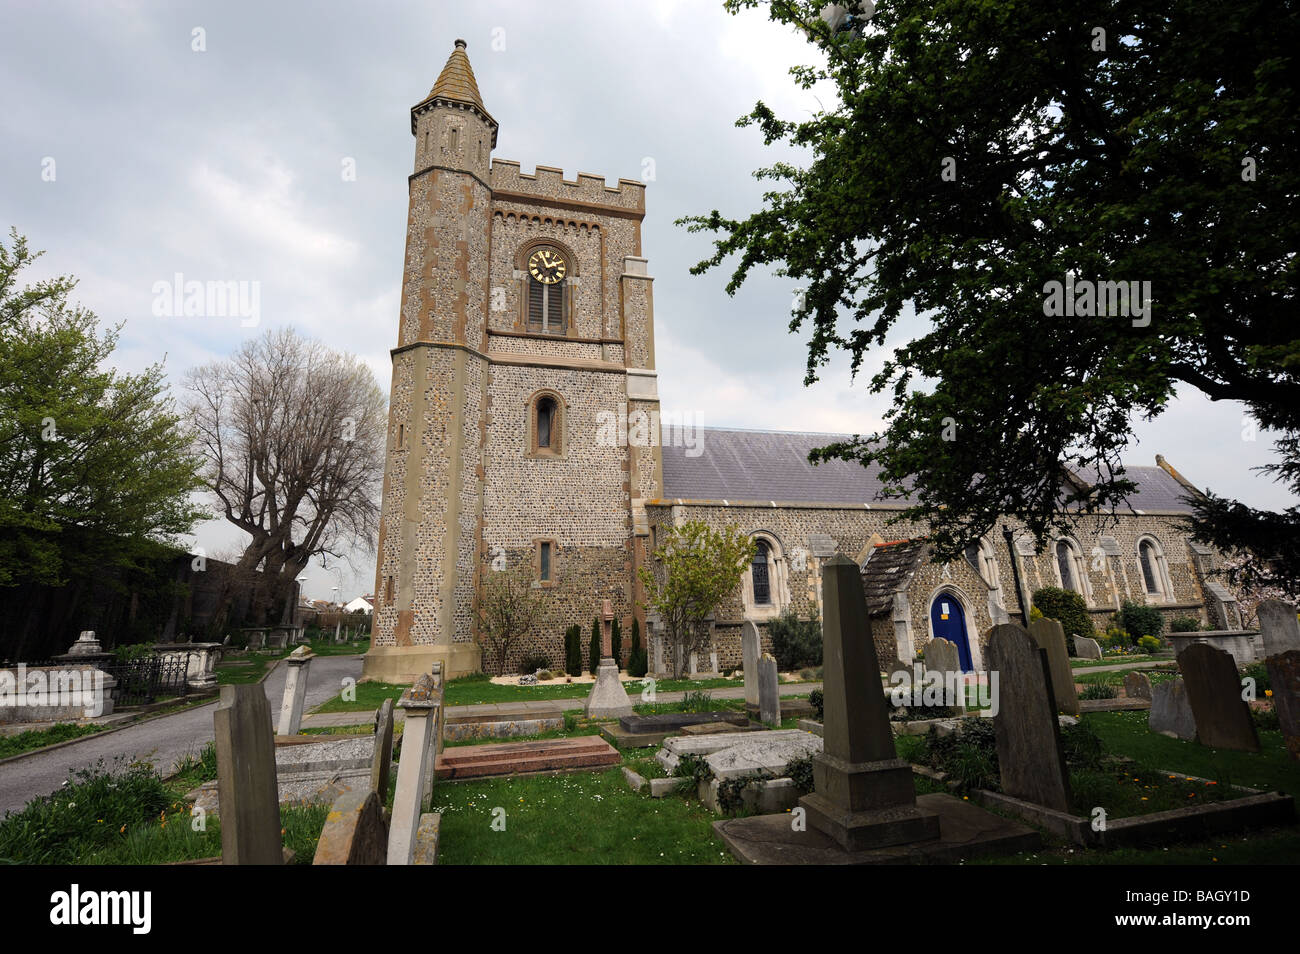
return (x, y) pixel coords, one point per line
(527, 327)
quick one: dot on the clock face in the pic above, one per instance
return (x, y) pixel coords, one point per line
(547, 266)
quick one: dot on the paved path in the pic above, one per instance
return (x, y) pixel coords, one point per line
(160, 741)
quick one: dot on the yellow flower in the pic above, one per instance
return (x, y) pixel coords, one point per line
(1268, 692)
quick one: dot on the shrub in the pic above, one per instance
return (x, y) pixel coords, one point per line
(700, 701)
(1259, 672)
(533, 662)
(693, 768)
(573, 650)
(545, 675)
(795, 642)
(1149, 644)
(1184, 624)
(971, 766)
(616, 641)
(593, 651)
(1266, 719)
(816, 700)
(1098, 690)
(638, 661)
(1139, 620)
(1068, 608)
(800, 771)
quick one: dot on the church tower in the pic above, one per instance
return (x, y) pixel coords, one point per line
(525, 347)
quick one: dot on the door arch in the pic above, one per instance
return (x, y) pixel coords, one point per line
(948, 621)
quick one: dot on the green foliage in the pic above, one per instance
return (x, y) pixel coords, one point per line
(800, 771)
(969, 755)
(593, 648)
(1069, 609)
(699, 700)
(89, 812)
(943, 180)
(695, 568)
(638, 660)
(1082, 745)
(95, 465)
(507, 608)
(39, 738)
(616, 641)
(796, 642)
(533, 662)
(817, 700)
(1139, 620)
(1259, 672)
(1099, 690)
(694, 769)
(573, 650)
(1149, 644)
(1184, 624)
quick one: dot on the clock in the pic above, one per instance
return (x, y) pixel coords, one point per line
(547, 266)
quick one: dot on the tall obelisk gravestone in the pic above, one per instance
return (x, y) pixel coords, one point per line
(863, 794)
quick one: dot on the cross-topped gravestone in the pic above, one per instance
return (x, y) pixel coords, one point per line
(1030, 757)
(1214, 690)
(246, 781)
(863, 793)
(1050, 636)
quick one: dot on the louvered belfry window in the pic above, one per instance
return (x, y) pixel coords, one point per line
(546, 306)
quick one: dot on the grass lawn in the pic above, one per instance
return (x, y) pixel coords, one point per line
(39, 738)
(1111, 661)
(228, 675)
(582, 818)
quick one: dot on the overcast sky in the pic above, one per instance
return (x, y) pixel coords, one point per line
(226, 165)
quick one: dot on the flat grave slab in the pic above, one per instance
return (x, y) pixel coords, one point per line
(672, 721)
(965, 831)
(520, 758)
(739, 753)
(334, 754)
(294, 789)
(1118, 704)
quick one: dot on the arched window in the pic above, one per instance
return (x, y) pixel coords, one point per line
(1065, 565)
(548, 270)
(545, 425)
(761, 576)
(980, 556)
(1155, 570)
(545, 421)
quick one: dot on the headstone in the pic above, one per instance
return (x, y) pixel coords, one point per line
(1086, 647)
(608, 697)
(421, 704)
(1031, 760)
(769, 693)
(1279, 626)
(246, 782)
(694, 666)
(1284, 677)
(295, 690)
(1171, 713)
(713, 663)
(750, 650)
(86, 645)
(659, 654)
(381, 763)
(1137, 686)
(355, 832)
(863, 793)
(942, 656)
(1214, 690)
(1050, 636)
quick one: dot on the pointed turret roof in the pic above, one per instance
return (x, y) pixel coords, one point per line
(456, 83)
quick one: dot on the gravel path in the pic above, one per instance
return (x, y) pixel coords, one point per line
(160, 741)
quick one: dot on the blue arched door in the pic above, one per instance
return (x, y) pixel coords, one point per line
(947, 621)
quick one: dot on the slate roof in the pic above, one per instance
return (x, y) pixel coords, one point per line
(889, 567)
(740, 465)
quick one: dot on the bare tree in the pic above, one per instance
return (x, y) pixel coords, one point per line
(292, 436)
(508, 607)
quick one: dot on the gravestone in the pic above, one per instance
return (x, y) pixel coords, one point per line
(942, 656)
(1137, 686)
(1279, 627)
(769, 693)
(1171, 713)
(608, 697)
(1030, 757)
(1214, 690)
(750, 651)
(1049, 636)
(355, 832)
(295, 690)
(659, 655)
(246, 781)
(1086, 648)
(863, 793)
(1284, 677)
(421, 703)
(381, 763)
